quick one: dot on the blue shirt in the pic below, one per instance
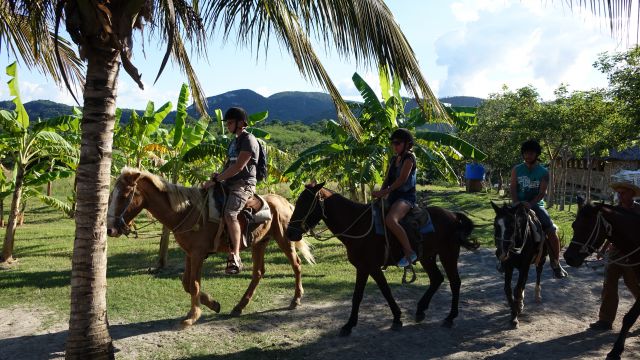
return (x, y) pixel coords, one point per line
(529, 180)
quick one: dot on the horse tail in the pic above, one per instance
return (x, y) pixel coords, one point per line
(464, 227)
(305, 249)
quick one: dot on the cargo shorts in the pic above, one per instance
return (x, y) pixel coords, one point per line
(237, 196)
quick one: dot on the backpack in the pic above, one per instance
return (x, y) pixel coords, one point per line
(261, 165)
(262, 171)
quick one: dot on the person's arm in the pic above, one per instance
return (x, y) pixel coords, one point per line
(404, 175)
(231, 171)
(544, 182)
(513, 186)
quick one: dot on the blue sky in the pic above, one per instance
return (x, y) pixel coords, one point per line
(464, 47)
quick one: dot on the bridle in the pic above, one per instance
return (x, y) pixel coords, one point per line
(318, 199)
(601, 226)
(512, 242)
(119, 222)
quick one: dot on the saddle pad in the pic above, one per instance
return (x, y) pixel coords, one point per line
(417, 219)
(264, 214)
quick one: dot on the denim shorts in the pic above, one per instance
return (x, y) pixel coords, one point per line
(545, 219)
(409, 198)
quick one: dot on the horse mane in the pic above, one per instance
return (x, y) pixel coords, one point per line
(180, 197)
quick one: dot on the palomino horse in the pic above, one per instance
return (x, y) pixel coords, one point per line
(520, 242)
(594, 224)
(181, 210)
(351, 222)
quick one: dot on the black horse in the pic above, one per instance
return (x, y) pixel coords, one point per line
(352, 223)
(520, 242)
(594, 224)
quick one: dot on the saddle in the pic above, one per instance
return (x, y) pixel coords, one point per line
(255, 213)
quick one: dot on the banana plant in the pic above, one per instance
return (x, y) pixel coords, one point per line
(358, 164)
(132, 140)
(31, 149)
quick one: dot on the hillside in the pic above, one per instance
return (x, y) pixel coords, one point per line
(288, 106)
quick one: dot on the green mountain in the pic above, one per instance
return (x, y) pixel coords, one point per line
(288, 106)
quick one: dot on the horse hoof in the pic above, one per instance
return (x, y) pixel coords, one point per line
(235, 312)
(447, 324)
(345, 332)
(187, 323)
(294, 304)
(515, 324)
(216, 307)
(396, 325)
(420, 316)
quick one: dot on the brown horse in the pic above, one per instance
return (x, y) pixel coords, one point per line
(181, 209)
(594, 224)
(352, 223)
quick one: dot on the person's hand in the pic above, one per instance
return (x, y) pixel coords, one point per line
(379, 194)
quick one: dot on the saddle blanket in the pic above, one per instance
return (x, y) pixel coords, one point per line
(416, 222)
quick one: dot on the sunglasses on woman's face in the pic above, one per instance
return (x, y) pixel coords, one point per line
(396, 142)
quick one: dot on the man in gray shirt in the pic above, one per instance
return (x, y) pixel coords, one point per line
(239, 175)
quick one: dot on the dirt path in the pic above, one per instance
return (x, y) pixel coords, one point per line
(554, 329)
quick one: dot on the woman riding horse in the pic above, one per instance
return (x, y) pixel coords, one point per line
(400, 187)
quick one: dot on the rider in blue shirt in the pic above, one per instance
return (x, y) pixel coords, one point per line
(529, 181)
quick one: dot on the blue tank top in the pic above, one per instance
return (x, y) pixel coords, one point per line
(409, 186)
(528, 181)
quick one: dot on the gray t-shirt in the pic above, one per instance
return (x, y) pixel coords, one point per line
(244, 142)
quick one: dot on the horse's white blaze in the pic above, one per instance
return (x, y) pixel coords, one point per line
(503, 227)
(111, 213)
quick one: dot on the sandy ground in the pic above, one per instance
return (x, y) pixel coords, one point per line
(555, 329)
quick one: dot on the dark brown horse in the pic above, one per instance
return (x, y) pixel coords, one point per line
(352, 223)
(181, 209)
(520, 242)
(594, 224)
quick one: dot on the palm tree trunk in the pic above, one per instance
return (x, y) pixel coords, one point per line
(14, 211)
(88, 325)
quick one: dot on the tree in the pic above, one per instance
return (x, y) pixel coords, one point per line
(29, 146)
(357, 164)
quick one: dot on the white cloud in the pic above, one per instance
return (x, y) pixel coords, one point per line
(521, 43)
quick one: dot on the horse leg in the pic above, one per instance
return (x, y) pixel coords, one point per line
(628, 321)
(538, 290)
(518, 306)
(383, 285)
(186, 277)
(435, 279)
(257, 257)
(450, 265)
(508, 275)
(194, 289)
(290, 251)
(358, 292)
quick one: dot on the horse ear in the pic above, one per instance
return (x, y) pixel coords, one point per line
(319, 186)
(495, 207)
(581, 201)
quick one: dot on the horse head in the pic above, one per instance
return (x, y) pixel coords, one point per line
(125, 203)
(510, 228)
(307, 213)
(589, 233)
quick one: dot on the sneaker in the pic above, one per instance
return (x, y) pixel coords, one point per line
(404, 262)
(600, 325)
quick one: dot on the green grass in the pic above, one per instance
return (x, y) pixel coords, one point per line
(44, 249)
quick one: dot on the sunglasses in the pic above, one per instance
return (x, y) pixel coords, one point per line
(396, 142)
